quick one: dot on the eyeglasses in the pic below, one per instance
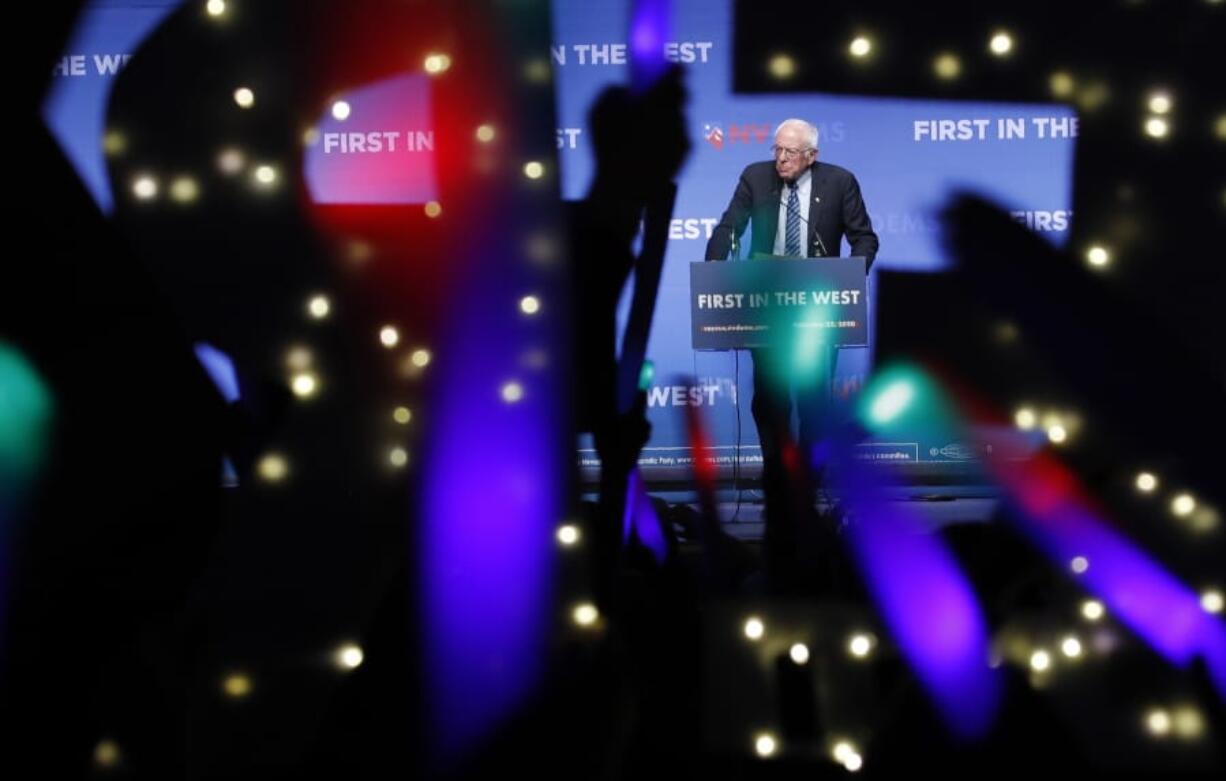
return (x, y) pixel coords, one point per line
(788, 153)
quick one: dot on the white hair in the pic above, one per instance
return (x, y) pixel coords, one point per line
(807, 130)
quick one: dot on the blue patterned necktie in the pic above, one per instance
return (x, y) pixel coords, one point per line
(792, 235)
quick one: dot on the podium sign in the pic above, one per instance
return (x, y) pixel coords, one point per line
(772, 301)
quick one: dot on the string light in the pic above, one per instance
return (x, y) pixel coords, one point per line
(437, 63)
(764, 744)
(512, 392)
(529, 305)
(1183, 505)
(107, 754)
(319, 306)
(1079, 564)
(420, 358)
(1092, 610)
(1211, 601)
(265, 176)
(236, 685)
(1098, 255)
(433, 209)
(1188, 722)
(568, 534)
(1001, 44)
(114, 143)
(1071, 647)
(1061, 84)
(485, 133)
(230, 161)
(272, 468)
(1040, 660)
(341, 110)
(244, 97)
(585, 614)
(304, 385)
(534, 170)
(402, 415)
(1158, 722)
(389, 337)
(860, 645)
(1157, 128)
(947, 66)
(799, 653)
(145, 187)
(754, 628)
(1146, 482)
(184, 190)
(215, 7)
(860, 47)
(349, 656)
(1025, 418)
(781, 66)
(1057, 434)
(398, 457)
(1160, 103)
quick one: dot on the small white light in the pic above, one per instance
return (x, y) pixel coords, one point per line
(1157, 127)
(1098, 256)
(1071, 647)
(529, 305)
(485, 133)
(184, 189)
(1040, 660)
(319, 306)
(853, 762)
(304, 385)
(1160, 102)
(799, 653)
(1188, 722)
(106, 753)
(349, 656)
(341, 110)
(1025, 418)
(230, 161)
(1057, 434)
(860, 46)
(402, 415)
(1092, 609)
(534, 170)
(764, 744)
(842, 751)
(1211, 601)
(420, 358)
(1219, 127)
(568, 534)
(236, 685)
(433, 209)
(272, 468)
(145, 187)
(437, 63)
(114, 143)
(585, 614)
(860, 646)
(754, 628)
(1158, 722)
(244, 97)
(512, 392)
(215, 7)
(1062, 84)
(1183, 505)
(298, 358)
(389, 337)
(1146, 482)
(265, 175)
(947, 66)
(1001, 44)
(398, 457)
(1079, 564)
(781, 66)
(310, 136)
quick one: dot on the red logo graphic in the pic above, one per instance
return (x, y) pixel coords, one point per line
(714, 135)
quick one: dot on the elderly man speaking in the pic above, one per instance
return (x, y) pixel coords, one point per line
(799, 207)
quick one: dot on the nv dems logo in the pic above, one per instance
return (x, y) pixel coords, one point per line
(714, 135)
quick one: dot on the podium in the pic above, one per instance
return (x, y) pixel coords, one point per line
(770, 301)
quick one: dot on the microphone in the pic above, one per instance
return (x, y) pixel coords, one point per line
(817, 236)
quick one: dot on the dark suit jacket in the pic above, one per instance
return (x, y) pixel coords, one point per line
(835, 209)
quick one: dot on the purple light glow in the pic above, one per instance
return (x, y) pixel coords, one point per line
(641, 519)
(1150, 601)
(649, 28)
(490, 498)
